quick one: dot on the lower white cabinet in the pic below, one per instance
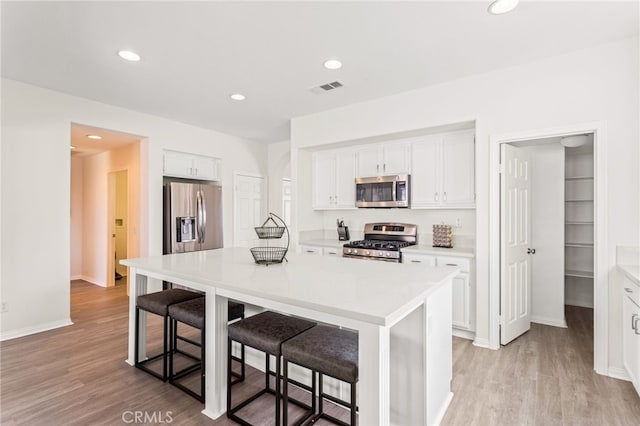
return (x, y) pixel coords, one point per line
(462, 293)
(321, 251)
(317, 251)
(631, 331)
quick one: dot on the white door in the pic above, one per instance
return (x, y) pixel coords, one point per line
(250, 210)
(515, 262)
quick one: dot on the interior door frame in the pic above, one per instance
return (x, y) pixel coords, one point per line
(600, 273)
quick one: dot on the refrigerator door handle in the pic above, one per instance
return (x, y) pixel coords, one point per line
(202, 216)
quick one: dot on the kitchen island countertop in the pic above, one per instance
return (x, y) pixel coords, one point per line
(402, 314)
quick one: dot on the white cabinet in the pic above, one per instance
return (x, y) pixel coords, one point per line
(333, 174)
(313, 250)
(462, 291)
(190, 166)
(321, 251)
(631, 331)
(419, 258)
(389, 158)
(443, 171)
(332, 251)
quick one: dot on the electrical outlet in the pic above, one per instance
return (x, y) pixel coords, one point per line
(3, 309)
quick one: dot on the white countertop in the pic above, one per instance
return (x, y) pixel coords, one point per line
(418, 249)
(632, 272)
(374, 292)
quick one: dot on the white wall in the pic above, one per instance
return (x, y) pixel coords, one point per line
(35, 169)
(547, 234)
(279, 157)
(595, 84)
(77, 170)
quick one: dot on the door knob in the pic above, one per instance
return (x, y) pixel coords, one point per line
(531, 251)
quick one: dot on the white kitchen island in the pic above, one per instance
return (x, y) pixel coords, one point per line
(402, 314)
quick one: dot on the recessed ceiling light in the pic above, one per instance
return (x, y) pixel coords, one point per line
(238, 97)
(332, 64)
(574, 141)
(498, 7)
(72, 147)
(129, 55)
(94, 137)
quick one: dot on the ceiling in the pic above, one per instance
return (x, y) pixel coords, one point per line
(195, 54)
(110, 140)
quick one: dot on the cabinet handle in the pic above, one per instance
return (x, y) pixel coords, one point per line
(634, 322)
(628, 290)
(335, 199)
(436, 196)
(452, 264)
(416, 261)
(377, 168)
(310, 251)
(444, 196)
(196, 169)
(384, 167)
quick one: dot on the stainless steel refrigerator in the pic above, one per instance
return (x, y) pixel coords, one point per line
(192, 216)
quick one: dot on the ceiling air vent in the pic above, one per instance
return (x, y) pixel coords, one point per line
(327, 87)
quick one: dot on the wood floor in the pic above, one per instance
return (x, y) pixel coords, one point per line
(77, 375)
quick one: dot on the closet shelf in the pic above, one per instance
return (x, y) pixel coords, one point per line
(577, 222)
(579, 178)
(581, 274)
(584, 245)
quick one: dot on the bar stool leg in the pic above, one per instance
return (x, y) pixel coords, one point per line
(353, 404)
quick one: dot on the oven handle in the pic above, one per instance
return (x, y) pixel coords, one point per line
(394, 191)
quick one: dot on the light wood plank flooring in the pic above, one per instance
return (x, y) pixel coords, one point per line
(77, 375)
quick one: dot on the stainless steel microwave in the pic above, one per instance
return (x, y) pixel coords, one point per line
(383, 191)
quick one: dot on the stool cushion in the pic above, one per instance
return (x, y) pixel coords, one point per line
(236, 310)
(159, 302)
(329, 350)
(190, 312)
(267, 330)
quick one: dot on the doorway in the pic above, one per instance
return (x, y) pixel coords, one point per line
(119, 222)
(599, 249)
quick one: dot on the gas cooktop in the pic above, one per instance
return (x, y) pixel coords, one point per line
(383, 241)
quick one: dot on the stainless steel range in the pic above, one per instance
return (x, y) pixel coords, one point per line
(382, 241)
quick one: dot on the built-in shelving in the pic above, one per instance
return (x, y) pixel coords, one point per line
(579, 225)
(579, 274)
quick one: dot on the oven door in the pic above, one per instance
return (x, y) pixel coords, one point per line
(382, 191)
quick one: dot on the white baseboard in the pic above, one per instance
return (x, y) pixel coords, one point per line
(443, 409)
(92, 280)
(465, 334)
(76, 277)
(619, 373)
(483, 343)
(14, 334)
(549, 321)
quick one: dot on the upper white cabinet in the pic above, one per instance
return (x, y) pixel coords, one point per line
(191, 166)
(443, 171)
(388, 158)
(333, 174)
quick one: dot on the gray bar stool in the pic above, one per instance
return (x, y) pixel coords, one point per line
(193, 313)
(158, 303)
(265, 332)
(328, 351)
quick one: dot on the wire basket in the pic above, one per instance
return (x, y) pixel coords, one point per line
(268, 255)
(269, 232)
